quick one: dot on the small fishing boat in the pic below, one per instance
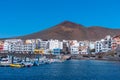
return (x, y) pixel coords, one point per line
(36, 63)
(17, 65)
(5, 62)
(27, 64)
(56, 60)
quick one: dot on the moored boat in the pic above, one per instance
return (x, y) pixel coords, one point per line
(17, 65)
(5, 62)
(27, 64)
(36, 63)
(56, 61)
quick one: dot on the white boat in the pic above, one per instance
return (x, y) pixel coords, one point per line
(55, 60)
(27, 64)
(5, 62)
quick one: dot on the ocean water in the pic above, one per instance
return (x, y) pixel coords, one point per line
(69, 70)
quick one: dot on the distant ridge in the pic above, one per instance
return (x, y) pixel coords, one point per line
(71, 31)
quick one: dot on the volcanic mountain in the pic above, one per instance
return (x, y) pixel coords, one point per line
(71, 31)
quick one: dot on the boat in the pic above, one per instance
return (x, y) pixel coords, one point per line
(56, 61)
(27, 64)
(17, 65)
(36, 63)
(41, 61)
(5, 62)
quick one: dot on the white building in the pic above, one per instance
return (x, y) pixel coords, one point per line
(24, 48)
(83, 47)
(55, 44)
(28, 46)
(9, 44)
(19, 46)
(104, 45)
(92, 45)
(43, 45)
(74, 47)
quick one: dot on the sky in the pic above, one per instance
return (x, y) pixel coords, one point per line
(21, 17)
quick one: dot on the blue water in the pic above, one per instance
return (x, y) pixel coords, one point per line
(69, 70)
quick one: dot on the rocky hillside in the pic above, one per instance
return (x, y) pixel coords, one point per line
(71, 31)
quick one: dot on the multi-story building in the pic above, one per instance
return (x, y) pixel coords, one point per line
(104, 45)
(19, 46)
(83, 47)
(1, 46)
(116, 42)
(74, 47)
(27, 46)
(9, 45)
(91, 45)
(48, 47)
(65, 47)
(41, 47)
(24, 48)
(55, 45)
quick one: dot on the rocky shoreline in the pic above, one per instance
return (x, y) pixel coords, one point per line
(95, 57)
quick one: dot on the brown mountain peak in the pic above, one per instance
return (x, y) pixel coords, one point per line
(71, 31)
(70, 24)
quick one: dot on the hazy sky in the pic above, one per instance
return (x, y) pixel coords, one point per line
(20, 17)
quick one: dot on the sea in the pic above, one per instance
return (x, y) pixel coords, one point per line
(68, 70)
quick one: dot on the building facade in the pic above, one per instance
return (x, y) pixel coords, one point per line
(104, 45)
(116, 42)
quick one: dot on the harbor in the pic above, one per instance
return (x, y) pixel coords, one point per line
(29, 60)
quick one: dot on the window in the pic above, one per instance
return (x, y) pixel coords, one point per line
(119, 55)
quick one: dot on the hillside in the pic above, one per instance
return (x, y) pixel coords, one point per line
(71, 31)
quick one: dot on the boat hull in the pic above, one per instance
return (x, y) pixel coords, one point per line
(16, 65)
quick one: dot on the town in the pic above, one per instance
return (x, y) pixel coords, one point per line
(57, 48)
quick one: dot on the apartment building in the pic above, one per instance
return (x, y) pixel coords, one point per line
(116, 42)
(103, 45)
(74, 46)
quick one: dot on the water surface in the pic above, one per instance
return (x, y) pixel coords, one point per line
(69, 70)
